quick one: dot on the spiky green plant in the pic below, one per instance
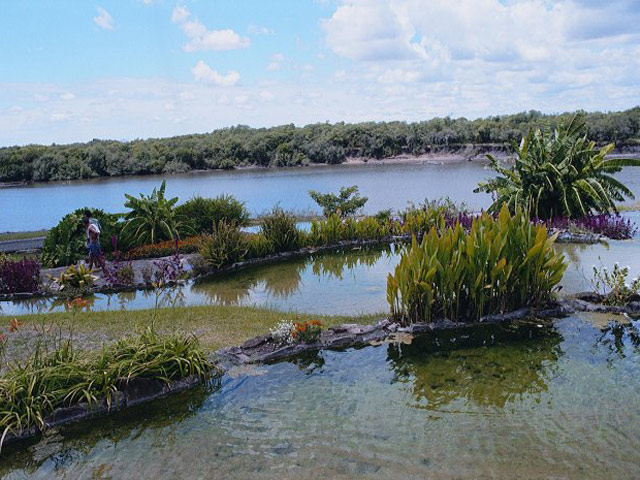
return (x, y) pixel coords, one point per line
(499, 265)
(224, 246)
(559, 174)
(46, 381)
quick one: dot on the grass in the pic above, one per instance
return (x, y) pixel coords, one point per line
(22, 235)
(63, 377)
(214, 326)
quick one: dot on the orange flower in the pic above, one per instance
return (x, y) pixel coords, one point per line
(3, 338)
(77, 303)
(13, 325)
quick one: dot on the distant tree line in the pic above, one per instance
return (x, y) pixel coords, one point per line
(288, 145)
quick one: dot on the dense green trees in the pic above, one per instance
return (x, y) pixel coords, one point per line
(289, 145)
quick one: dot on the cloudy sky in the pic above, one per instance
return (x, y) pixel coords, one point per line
(124, 69)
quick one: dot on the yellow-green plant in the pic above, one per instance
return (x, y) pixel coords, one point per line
(77, 276)
(224, 246)
(499, 265)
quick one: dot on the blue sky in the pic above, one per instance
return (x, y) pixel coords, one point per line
(124, 69)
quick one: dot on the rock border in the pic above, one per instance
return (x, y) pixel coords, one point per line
(130, 392)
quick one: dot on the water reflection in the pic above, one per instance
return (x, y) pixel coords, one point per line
(451, 367)
(619, 339)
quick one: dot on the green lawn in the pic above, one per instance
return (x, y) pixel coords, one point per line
(215, 326)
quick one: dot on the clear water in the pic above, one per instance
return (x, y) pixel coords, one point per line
(556, 402)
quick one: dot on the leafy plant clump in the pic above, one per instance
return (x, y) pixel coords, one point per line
(346, 203)
(65, 243)
(614, 286)
(153, 219)
(77, 277)
(559, 174)
(19, 276)
(165, 249)
(224, 246)
(499, 265)
(204, 213)
(62, 378)
(279, 228)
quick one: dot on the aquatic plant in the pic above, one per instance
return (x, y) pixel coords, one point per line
(614, 286)
(559, 173)
(224, 246)
(258, 246)
(31, 391)
(279, 228)
(204, 213)
(19, 276)
(346, 203)
(499, 265)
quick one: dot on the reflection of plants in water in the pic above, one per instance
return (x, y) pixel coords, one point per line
(161, 420)
(309, 362)
(283, 279)
(617, 338)
(441, 369)
(334, 264)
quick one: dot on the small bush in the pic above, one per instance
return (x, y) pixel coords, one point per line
(120, 273)
(203, 213)
(346, 203)
(19, 276)
(614, 286)
(258, 246)
(226, 245)
(77, 277)
(499, 265)
(279, 228)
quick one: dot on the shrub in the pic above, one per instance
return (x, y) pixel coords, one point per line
(152, 219)
(328, 231)
(19, 276)
(258, 246)
(346, 203)
(65, 243)
(203, 213)
(226, 245)
(279, 228)
(614, 286)
(559, 174)
(120, 273)
(500, 265)
(165, 249)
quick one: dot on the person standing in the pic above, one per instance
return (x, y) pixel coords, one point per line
(94, 252)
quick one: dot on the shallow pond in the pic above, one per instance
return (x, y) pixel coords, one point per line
(551, 402)
(350, 282)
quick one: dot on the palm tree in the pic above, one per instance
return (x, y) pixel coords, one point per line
(559, 174)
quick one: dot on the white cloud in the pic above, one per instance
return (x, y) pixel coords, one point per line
(104, 20)
(258, 30)
(201, 39)
(276, 62)
(148, 2)
(179, 14)
(67, 96)
(204, 73)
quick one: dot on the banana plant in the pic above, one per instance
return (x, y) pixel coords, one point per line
(559, 174)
